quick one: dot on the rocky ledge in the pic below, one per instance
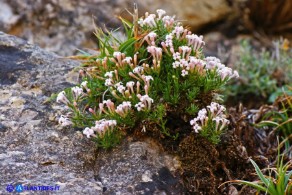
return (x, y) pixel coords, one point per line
(36, 151)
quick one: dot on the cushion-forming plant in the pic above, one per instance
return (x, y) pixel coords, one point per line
(155, 77)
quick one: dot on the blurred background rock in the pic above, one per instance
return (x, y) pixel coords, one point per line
(63, 26)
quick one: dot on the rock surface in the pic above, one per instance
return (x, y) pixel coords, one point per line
(35, 150)
(62, 26)
(193, 13)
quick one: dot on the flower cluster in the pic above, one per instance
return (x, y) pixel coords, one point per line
(145, 102)
(100, 128)
(159, 69)
(224, 72)
(214, 113)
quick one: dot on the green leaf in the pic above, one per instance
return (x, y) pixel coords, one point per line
(126, 45)
(266, 181)
(252, 184)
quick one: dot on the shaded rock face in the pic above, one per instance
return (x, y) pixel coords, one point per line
(35, 150)
(62, 26)
(193, 13)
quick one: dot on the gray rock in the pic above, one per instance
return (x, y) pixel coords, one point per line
(35, 150)
(65, 26)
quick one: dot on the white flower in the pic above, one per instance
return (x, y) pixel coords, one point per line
(62, 98)
(117, 54)
(109, 74)
(138, 70)
(146, 100)
(64, 121)
(175, 64)
(225, 72)
(152, 35)
(141, 22)
(235, 74)
(184, 73)
(109, 82)
(217, 120)
(140, 106)
(121, 89)
(130, 86)
(147, 79)
(88, 132)
(194, 121)
(160, 13)
(150, 20)
(176, 56)
(185, 50)
(84, 84)
(77, 91)
(212, 62)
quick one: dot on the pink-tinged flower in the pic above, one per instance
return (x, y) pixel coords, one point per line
(147, 79)
(156, 52)
(134, 76)
(138, 70)
(127, 60)
(150, 20)
(62, 98)
(217, 120)
(88, 132)
(195, 41)
(150, 38)
(121, 88)
(77, 92)
(185, 51)
(224, 123)
(109, 82)
(101, 108)
(146, 100)
(212, 62)
(110, 105)
(124, 108)
(168, 40)
(138, 87)
(216, 109)
(198, 64)
(64, 121)
(225, 72)
(130, 86)
(178, 30)
(168, 21)
(104, 125)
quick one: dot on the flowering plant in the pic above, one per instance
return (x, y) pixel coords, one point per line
(156, 77)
